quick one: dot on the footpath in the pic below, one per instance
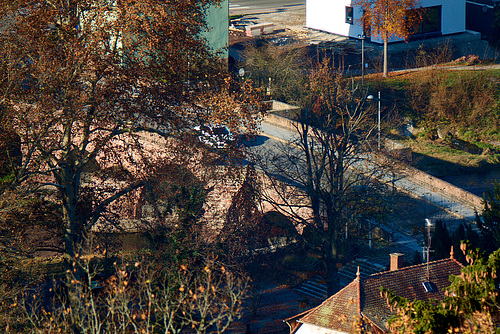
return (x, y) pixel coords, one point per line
(434, 193)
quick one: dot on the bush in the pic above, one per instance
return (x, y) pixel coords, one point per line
(431, 55)
(467, 101)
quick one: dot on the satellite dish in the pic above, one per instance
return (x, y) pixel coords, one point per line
(241, 72)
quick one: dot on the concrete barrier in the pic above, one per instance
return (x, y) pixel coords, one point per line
(280, 121)
(259, 29)
(276, 112)
(447, 189)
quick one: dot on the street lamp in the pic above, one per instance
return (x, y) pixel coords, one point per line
(371, 97)
(428, 224)
(362, 37)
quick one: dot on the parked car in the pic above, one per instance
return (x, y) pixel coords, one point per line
(218, 136)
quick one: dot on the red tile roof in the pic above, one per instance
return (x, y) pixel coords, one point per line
(363, 298)
(338, 312)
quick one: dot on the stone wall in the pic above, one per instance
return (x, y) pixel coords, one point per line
(280, 121)
(445, 188)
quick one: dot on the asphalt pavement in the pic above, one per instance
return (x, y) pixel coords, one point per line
(280, 302)
(243, 7)
(422, 191)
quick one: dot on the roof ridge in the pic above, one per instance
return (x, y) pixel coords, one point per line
(417, 265)
(354, 281)
(455, 260)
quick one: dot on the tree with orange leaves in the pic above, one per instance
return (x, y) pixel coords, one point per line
(83, 83)
(390, 18)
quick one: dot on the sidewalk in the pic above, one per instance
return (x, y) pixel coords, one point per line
(406, 184)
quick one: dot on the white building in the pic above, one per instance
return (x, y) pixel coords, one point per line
(342, 17)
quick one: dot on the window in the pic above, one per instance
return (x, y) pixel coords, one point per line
(349, 15)
(431, 23)
(430, 287)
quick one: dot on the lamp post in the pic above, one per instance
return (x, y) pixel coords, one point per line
(362, 37)
(371, 97)
(428, 224)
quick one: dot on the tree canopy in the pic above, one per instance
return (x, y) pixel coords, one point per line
(390, 18)
(83, 82)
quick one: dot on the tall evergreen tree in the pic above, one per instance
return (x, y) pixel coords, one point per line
(441, 241)
(489, 221)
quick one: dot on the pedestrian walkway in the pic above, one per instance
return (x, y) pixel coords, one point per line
(419, 190)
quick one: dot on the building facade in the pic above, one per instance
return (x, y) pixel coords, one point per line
(342, 17)
(217, 34)
(481, 17)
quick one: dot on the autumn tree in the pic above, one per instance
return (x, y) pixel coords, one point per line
(247, 229)
(199, 295)
(390, 18)
(241, 227)
(323, 179)
(85, 85)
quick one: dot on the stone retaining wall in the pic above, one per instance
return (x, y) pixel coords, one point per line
(445, 188)
(280, 121)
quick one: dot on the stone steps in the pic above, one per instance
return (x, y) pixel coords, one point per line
(316, 286)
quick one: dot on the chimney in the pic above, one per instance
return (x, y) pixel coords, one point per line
(397, 261)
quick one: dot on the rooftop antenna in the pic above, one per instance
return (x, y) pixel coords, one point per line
(428, 224)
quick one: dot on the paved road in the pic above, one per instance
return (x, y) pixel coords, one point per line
(435, 205)
(432, 204)
(418, 190)
(243, 7)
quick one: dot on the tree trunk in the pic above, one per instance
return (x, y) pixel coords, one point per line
(70, 178)
(385, 55)
(332, 277)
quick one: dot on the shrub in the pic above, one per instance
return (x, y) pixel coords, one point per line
(462, 100)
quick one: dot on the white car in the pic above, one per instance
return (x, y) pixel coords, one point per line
(217, 136)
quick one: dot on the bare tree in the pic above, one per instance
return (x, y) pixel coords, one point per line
(326, 179)
(272, 68)
(200, 295)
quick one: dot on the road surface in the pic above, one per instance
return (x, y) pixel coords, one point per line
(244, 7)
(418, 190)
